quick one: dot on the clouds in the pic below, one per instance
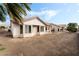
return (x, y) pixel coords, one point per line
(77, 4)
(73, 20)
(45, 14)
(56, 13)
(78, 11)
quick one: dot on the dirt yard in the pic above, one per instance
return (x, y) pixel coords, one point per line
(55, 44)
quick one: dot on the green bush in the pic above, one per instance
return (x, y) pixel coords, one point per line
(72, 27)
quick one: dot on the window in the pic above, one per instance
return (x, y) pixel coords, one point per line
(38, 29)
(27, 28)
(46, 28)
(42, 28)
(21, 29)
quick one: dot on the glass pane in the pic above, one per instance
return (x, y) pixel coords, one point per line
(29, 28)
(26, 28)
(21, 29)
(42, 28)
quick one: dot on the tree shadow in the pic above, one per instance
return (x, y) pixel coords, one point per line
(5, 34)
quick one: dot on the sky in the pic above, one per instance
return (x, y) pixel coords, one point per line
(57, 13)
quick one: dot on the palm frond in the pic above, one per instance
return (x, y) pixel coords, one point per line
(26, 6)
(2, 13)
(14, 10)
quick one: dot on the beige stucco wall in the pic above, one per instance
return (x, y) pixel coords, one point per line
(49, 28)
(45, 32)
(33, 33)
(34, 22)
(55, 27)
(27, 34)
(15, 28)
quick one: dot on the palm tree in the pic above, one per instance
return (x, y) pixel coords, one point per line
(14, 10)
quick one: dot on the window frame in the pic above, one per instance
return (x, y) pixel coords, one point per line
(21, 29)
(42, 28)
(28, 29)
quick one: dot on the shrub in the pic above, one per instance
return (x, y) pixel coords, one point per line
(72, 27)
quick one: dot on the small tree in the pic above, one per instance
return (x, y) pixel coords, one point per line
(72, 27)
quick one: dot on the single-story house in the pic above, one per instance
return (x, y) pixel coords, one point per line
(55, 28)
(63, 27)
(48, 27)
(30, 27)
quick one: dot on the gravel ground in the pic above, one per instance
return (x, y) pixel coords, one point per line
(55, 44)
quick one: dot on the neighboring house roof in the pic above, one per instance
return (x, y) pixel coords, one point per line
(51, 24)
(34, 17)
(48, 24)
(29, 19)
(54, 24)
(62, 25)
